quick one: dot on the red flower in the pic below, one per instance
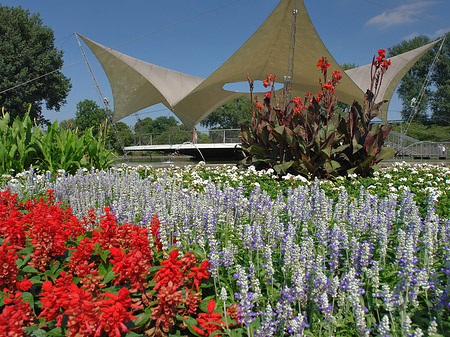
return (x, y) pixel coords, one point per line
(81, 311)
(323, 64)
(197, 273)
(154, 224)
(79, 263)
(24, 285)
(205, 320)
(131, 267)
(267, 95)
(268, 81)
(8, 267)
(259, 106)
(114, 313)
(336, 76)
(15, 315)
(385, 64)
(54, 298)
(168, 300)
(169, 271)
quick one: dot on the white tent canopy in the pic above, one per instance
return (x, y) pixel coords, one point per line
(137, 84)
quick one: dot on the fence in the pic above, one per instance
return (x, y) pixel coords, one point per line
(404, 145)
(410, 147)
(198, 137)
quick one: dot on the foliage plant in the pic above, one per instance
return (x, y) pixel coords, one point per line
(309, 137)
(24, 144)
(63, 277)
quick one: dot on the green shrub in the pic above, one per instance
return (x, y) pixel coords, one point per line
(23, 144)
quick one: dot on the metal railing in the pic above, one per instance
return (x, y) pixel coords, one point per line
(404, 145)
(410, 147)
(198, 137)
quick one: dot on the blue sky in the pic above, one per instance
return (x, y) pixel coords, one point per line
(197, 36)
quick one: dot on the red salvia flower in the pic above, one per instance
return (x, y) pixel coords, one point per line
(15, 316)
(55, 297)
(169, 297)
(192, 301)
(115, 311)
(155, 225)
(24, 285)
(108, 235)
(205, 320)
(79, 263)
(199, 273)
(131, 267)
(81, 311)
(169, 271)
(8, 267)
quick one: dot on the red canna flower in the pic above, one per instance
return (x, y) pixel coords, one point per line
(385, 64)
(323, 64)
(259, 106)
(336, 76)
(268, 81)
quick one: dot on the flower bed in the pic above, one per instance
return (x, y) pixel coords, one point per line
(286, 257)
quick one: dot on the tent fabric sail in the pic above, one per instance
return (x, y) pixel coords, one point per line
(267, 52)
(400, 64)
(137, 84)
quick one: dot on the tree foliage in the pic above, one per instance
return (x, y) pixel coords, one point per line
(158, 125)
(89, 114)
(230, 116)
(435, 102)
(125, 134)
(27, 52)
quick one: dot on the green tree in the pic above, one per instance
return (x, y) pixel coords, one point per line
(436, 95)
(27, 52)
(440, 102)
(159, 125)
(231, 115)
(67, 124)
(89, 114)
(125, 134)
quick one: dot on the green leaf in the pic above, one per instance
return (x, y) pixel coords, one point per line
(142, 319)
(29, 269)
(28, 297)
(109, 276)
(104, 254)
